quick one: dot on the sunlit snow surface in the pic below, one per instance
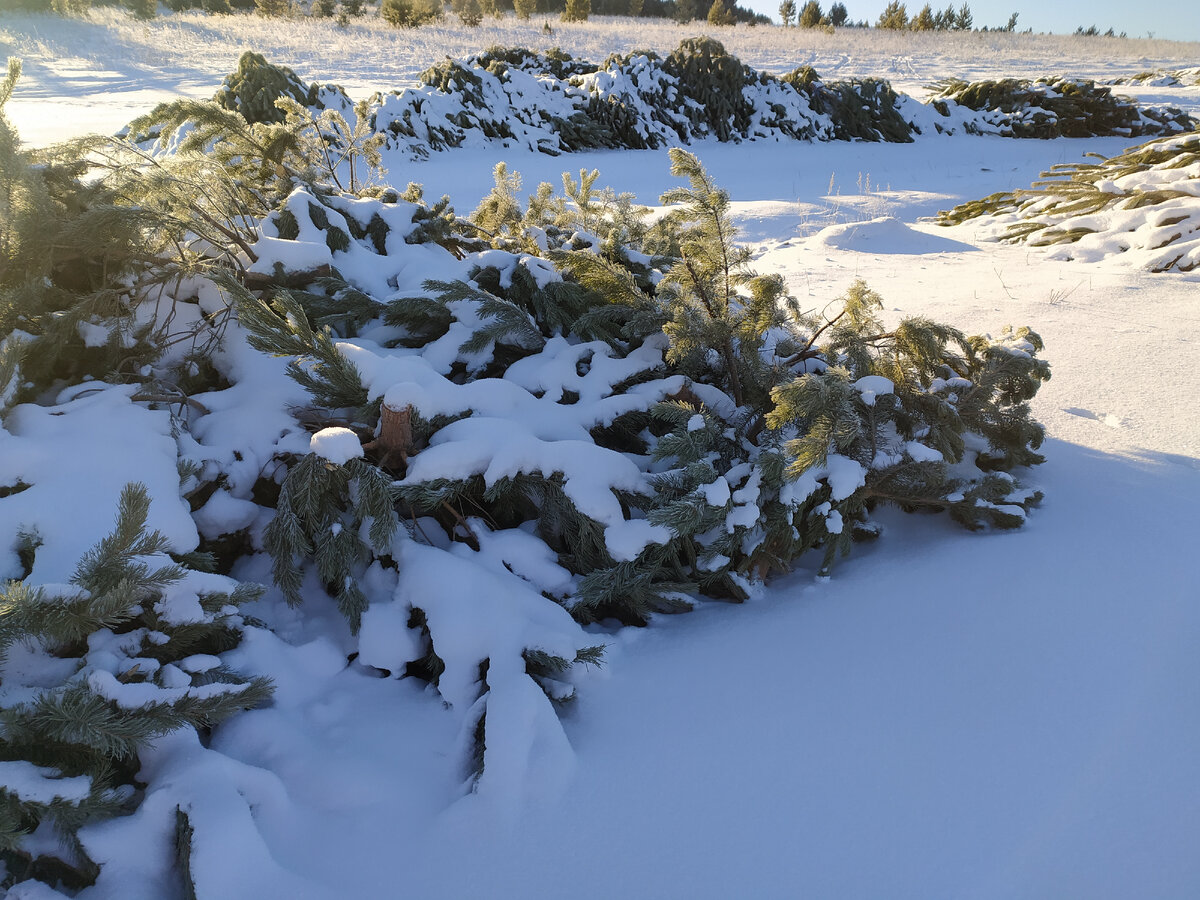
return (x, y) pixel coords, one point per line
(951, 715)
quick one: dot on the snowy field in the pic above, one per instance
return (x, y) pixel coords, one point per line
(951, 715)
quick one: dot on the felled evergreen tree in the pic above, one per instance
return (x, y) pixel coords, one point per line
(897, 407)
(713, 78)
(255, 85)
(90, 673)
(905, 404)
(788, 429)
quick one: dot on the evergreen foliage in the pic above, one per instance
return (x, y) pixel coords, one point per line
(808, 424)
(70, 7)
(273, 8)
(632, 399)
(143, 9)
(469, 12)
(710, 300)
(893, 17)
(787, 12)
(964, 20)
(636, 100)
(409, 13)
(1061, 107)
(863, 109)
(133, 668)
(718, 14)
(577, 10)
(324, 510)
(686, 11)
(811, 15)
(256, 84)
(1077, 202)
(714, 79)
(924, 20)
(68, 249)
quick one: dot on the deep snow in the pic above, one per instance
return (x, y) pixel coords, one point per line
(951, 715)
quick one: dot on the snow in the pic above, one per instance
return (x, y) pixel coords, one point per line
(77, 457)
(885, 234)
(40, 784)
(526, 747)
(871, 386)
(336, 445)
(949, 715)
(34, 890)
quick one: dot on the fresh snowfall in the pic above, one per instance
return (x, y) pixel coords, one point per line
(405, 566)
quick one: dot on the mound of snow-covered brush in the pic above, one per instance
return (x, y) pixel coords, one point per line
(1159, 78)
(472, 436)
(553, 103)
(1142, 206)
(1050, 108)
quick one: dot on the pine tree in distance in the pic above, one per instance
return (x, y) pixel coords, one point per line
(811, 15)
(577, 10)
(720, 14)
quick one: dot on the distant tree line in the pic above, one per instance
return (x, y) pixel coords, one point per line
(411, 13)
(1093, 31)
(894, 17)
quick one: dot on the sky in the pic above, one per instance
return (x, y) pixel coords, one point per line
(1174, 19)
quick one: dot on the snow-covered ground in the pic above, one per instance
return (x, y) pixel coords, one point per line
(951, 715)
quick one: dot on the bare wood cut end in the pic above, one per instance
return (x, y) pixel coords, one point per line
(395, 442)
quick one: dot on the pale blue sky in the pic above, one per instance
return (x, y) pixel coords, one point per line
(1176, 19)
